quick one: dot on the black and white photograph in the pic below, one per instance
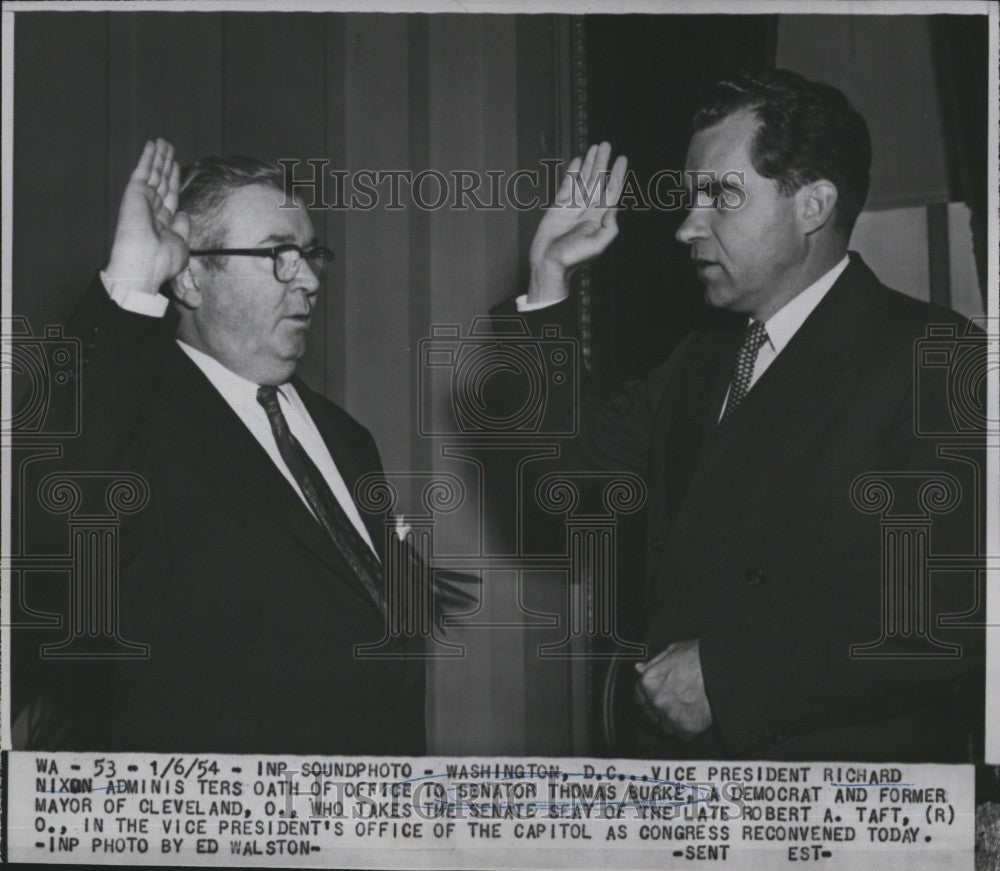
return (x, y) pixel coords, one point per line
(579, 420)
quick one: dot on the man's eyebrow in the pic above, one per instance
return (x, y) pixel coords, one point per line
(277, 239)
(284, 238)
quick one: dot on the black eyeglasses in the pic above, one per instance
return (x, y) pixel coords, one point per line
(286, 258)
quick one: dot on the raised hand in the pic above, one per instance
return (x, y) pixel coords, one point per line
(151, 238)
(579, 225)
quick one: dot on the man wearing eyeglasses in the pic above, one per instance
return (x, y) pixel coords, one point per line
(252, 574)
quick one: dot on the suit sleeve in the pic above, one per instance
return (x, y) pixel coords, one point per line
(120, 353)
(615, 426)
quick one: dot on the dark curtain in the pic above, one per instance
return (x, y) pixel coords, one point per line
(645, 78)
(960, 46)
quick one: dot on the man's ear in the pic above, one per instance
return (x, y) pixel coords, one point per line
(185, 288)
(817, 201)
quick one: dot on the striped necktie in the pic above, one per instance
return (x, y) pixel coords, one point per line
(323, 503)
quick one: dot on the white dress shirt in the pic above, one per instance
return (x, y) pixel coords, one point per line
(241, 395)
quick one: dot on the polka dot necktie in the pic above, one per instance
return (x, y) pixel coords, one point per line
(324, 504)
(755, 336)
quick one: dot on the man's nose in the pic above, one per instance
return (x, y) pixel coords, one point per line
(694, 227)
(305, 278)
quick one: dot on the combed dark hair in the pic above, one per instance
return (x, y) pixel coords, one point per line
(808, 131)
(205, 186)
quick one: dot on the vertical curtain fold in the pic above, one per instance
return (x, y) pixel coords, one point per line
(960, 47)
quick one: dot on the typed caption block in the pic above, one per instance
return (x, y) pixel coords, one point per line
(160, 809)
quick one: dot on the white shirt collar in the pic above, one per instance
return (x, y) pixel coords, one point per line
(785, 322)
(241, 395)
(235, 388)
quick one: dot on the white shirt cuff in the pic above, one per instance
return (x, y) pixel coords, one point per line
(524, 306)
(132, 300)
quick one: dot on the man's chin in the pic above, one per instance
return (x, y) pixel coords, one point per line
(716, 295)
(286, 358)
(292, 345)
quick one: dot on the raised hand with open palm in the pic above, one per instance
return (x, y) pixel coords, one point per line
(579, 225)
(151, 237)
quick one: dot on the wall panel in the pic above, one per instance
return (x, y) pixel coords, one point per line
(473, 126)
(163, 80)
(375, 292)
(61, 206)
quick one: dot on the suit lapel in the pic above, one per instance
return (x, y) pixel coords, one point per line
(203, 424)
(793, 399)
(692, 417)
(681, 438)
(808, 371)
(728, 346)
(347, 455)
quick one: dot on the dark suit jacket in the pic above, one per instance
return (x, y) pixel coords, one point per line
(251, 613)
(755, 547)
